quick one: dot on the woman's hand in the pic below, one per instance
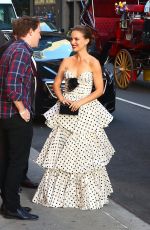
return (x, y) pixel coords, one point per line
(66, 101)
(75, 105)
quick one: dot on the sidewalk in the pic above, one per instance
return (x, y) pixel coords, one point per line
(111, 217)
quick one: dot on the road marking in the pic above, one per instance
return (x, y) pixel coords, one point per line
(108, 214)
(133, 103)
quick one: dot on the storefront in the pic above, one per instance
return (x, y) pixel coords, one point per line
(44, 7)
(22, 7)
(63, 13)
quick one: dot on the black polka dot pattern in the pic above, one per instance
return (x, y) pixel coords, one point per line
(76, 153)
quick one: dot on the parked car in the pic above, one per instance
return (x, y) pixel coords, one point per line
(47, 26)
(46, 97)
(53, 47)
(108, 99)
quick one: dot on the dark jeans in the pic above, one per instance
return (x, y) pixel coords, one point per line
(15, 142)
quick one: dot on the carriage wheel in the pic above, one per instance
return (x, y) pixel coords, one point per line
(123, 69)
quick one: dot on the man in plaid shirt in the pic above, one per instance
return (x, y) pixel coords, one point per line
(5, 42)
(16, 129)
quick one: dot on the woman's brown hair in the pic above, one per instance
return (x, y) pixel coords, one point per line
(86, 31)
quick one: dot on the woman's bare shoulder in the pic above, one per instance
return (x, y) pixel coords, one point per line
(94, 63)
(67, 60)
(94, 60)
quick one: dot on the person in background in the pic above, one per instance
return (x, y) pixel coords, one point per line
(147, 21)
(16, 96)
(147, 8)
(5, 42)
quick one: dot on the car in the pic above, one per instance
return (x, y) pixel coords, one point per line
(108, 99)
(47, 26)
(48, 61)
(53, 47)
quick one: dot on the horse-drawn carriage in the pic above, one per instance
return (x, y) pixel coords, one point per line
(120, 37)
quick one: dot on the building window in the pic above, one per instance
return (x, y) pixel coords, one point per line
(22, 7)
(44, 2)
(39, 2)
(50, 1)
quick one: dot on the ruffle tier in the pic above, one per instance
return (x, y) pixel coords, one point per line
(84, 191)
(77, 144)
(73, 153)
(92, 116)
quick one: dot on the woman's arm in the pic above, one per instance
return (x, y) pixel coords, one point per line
(57, 83)
(98, 83)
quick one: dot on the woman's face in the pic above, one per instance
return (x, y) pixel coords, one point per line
(78, 41)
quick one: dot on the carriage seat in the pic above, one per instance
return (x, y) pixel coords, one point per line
(135, 10)
(138, 24)
(106, 27)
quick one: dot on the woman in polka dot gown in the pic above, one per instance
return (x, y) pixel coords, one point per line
(77, 150)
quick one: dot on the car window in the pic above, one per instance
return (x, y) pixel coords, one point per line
(47, 27)
(7, 14)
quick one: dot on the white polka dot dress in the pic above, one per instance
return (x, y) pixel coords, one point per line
(76, 153)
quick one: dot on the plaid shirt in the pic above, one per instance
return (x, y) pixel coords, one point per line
(15, 78)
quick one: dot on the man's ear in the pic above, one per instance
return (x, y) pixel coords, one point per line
(30, 32)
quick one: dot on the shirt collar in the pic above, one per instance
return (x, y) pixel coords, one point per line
(26, 44)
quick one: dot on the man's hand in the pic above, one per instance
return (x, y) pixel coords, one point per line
(25, 114)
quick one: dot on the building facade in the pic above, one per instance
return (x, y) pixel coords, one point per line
(64, 13)
(70, 13)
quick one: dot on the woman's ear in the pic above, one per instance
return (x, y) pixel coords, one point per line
(87, 41)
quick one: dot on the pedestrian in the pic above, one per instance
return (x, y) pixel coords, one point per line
(16, 96)
(146, 32)
(147, 8)
(77, 150)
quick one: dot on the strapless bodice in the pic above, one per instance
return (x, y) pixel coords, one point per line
(85, 81)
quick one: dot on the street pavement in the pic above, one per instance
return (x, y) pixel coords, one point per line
(111, 217)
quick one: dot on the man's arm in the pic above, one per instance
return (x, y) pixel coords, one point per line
(15, 77)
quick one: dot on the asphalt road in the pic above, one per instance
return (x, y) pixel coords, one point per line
(129, 169)
(130, 134)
